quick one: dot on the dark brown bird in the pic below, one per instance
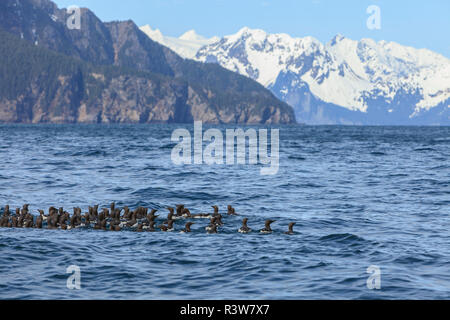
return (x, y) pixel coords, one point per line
(29, 223)
(244, 228)
(267, 228)
(151, 216)
(25, 208)
(39, 220)
(151, 227)
(6, 211)
(4, 221)
(187, 213)
(212, 223)
(180, 208)
(170, 215)
(187, 227)
(167, 228)
(126, 213)
(219, 221)
(52, 222)
(14, 222)
(132, 222)
(291, 228)
(231, 211)
(212, 230)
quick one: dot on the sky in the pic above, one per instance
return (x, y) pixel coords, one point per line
(416, 23)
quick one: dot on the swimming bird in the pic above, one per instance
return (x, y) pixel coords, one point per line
(231, 211)
(126, 213)
(25, 208)
(132, 222)
(244, 228)
(171, 214)
(211, 224)
(187, 227)
(219, 221)
(39, 221)
(216, 211)
(150, 227)
(186, 213)
(20, 218)
(4, 221)
(52, 222)
(212, 230)
(152, 216)
(29, 223)
(42, 215)
(95, 210)
(141, 212)
(14, 222)
(180, 208)
(102, 224)
(170, 226)
(291, 228)
(267, 228)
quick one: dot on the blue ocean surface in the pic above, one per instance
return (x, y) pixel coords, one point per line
(361, 197)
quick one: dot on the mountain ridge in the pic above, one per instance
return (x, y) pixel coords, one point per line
(343, 81)
(150, 83)
(371, 79)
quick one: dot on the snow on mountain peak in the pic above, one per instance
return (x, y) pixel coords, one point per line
(191, 35)
(344, 72)
(155, 35)
(186, 45)
(353, 75)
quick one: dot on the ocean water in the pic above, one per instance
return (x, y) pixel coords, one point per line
(361, 197)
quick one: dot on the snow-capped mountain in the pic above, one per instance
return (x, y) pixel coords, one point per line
(344, 81)
(186, 46)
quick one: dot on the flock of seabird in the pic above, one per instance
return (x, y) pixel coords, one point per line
(139, 220)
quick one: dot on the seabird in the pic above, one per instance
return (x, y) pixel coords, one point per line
(216, 210)
(211, 224)
(180, 208)
(151, 216)
(291, 228)
(187, 228)
(167, 228)
(171, 214)
(267, 228)
(151, 226)
(186, 213)
(244, 228)
(213, 229)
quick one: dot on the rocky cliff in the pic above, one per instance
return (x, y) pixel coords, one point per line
(112, 72)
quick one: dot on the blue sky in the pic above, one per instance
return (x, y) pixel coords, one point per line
(417, 23)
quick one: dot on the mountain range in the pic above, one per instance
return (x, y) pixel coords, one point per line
(341, 82)
(114, 73)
